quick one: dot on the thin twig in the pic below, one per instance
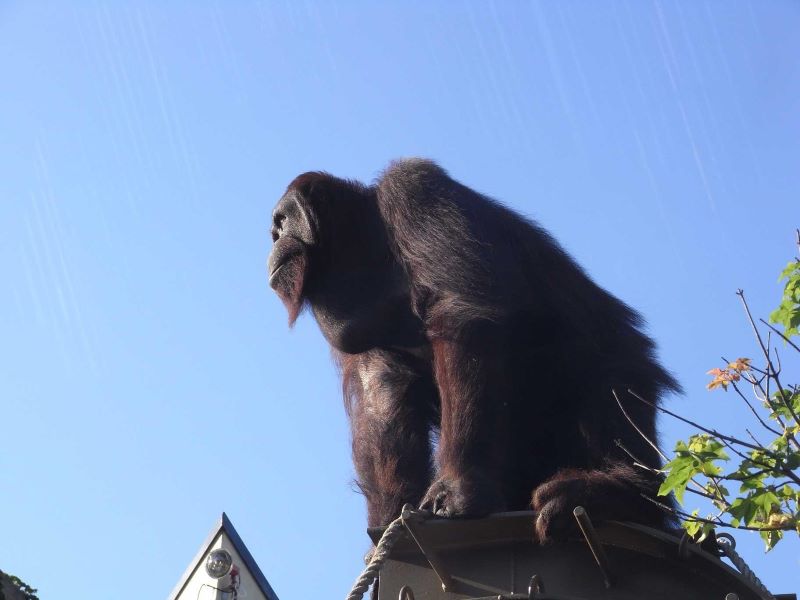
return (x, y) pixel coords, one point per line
(676, 512)
(718, 523)
(635, 459)
(752, 380)
(720, 496)
(636, 427)
(778, 484)
(753, 410)
(785, 339)
(752, 367)
(777, 359)
(771, 367)
(757, 333)
(743, 456)
(752, 437)
(713, 432)
(700, 491)
(724, 438)
(765, 468)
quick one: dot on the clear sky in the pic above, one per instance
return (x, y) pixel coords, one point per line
(148, 380)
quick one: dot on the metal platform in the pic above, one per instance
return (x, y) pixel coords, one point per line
(496, 558)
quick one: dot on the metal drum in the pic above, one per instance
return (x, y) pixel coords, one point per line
(496, 558)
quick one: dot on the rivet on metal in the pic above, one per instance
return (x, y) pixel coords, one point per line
(535, 587)
(683, 546)
(405, 593)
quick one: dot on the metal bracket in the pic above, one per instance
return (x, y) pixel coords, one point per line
(406, 593)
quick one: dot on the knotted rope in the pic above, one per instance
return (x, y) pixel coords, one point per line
(727, 545)
(392, 533)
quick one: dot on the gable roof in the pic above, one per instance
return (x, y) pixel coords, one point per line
(225, 526)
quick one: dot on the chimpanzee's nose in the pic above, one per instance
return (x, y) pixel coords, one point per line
(277, 225)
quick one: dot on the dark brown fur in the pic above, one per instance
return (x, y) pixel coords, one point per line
(459, 323)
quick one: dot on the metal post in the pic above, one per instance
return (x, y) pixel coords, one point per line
(590, 535)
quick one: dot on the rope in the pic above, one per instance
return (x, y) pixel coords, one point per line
(727, 546)
(392, 533)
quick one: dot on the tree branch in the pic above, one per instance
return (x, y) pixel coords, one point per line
(636, 427)
(725, 438)
(785, 339)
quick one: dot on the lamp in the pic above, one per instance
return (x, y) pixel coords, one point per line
(219, 563)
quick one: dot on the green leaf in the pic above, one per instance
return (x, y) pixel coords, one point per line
(770, 537)
(681, 472)
(791, 267)
(792, 461)
(697, 530)
(766, 500)
(710, 469)
(743, 509)
(692, 528)
(752, 483)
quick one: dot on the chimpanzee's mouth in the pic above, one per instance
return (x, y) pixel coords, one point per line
(275, 272)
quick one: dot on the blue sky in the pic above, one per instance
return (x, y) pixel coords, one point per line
(148, 380)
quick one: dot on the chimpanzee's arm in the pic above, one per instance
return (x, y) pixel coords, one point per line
(392, 404)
